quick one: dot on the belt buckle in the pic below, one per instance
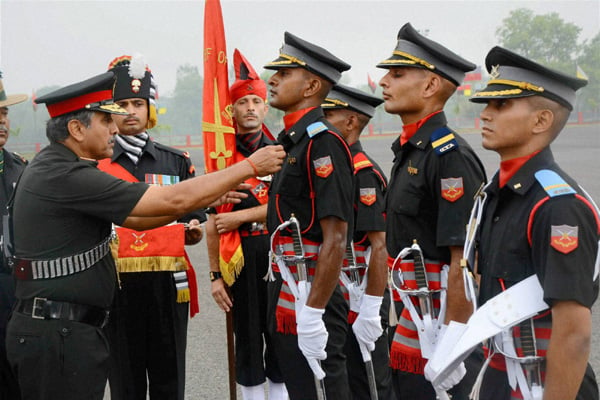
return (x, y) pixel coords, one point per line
(38, 305)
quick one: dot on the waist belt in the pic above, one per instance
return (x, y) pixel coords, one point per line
(59, 267)
(41, 308)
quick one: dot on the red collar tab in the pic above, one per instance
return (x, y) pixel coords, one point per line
(290, 119)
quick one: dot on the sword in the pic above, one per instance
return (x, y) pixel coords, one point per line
(366, 354)
(425, 302)
(303, 276)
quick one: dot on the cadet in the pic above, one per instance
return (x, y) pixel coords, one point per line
(350, 110)
(64, 208)
(255, 359)
(148, 329)
(433, 180)
(536, 221)
(316, 187)
(11, 167)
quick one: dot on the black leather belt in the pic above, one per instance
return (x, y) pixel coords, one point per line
(41, 308)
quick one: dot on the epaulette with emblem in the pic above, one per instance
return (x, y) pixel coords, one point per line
(553, 184)
(315, 128)
(443, 141)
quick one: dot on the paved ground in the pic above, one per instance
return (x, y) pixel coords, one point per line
(577, 150)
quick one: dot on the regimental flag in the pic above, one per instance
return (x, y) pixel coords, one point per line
(371, 83)
(581, 75)
(217, 122)
(466, 89)
(217, 127)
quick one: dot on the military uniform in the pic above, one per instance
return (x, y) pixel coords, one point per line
(147, 314)
(433, 180)
(254, 356)
(148, 331)
(13, 166)
(369, 207)
(371, 185)
(536, 220)
(331, 196)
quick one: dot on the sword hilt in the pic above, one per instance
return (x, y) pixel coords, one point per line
(298, 248)
(419, 264)
(352, 267)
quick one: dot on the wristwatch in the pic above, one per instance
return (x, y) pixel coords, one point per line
(215, 275)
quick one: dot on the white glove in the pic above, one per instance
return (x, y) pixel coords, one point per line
(312, 337)
(367, 327)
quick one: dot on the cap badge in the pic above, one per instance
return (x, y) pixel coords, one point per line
(250, 88)
(135, 85)
(495, 72)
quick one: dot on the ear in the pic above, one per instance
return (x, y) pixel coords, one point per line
(76, 130)
(543, 121)
(433, 83)
(351, 122)
(313, 86)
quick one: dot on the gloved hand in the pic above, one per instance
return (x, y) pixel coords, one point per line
(312, 337)
(367, 327)
(450, 381)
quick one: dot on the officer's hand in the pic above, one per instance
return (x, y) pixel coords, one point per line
(220, 295)
(193, 232)
(232, 196)
(267, 160)
(226, 222)
(450, 381)
(367, 327)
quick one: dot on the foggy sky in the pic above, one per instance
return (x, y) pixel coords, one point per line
(47, 43)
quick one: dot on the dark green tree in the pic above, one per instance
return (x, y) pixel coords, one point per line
(543, 38)
(589, 62)
(184, 109)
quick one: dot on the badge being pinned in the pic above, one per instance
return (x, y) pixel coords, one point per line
(452, 189)
(564, 238)
(261, 190)
(323, 166)
(368, 196)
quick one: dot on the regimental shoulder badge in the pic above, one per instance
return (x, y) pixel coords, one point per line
(368, 196)
(323, 166)
(564, 238)
(452, 188)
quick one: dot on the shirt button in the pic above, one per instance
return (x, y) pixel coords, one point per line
(496, 218)
(21, 340)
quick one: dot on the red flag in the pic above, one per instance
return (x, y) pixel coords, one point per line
(217, 123)
(217, 127)
(473, 75)
(372, 84)
(33, 97)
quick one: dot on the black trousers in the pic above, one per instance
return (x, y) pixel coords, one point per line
(57, 359)
(297, 375)
(148, 337)
(254, 355)
(9, 389)
(357, 374)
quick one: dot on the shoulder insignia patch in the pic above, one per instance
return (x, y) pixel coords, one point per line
(323, 166)
(315, 128)
(552, 183)
(368, 196)
(564, 238)
(452, 189)
(443, 141)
